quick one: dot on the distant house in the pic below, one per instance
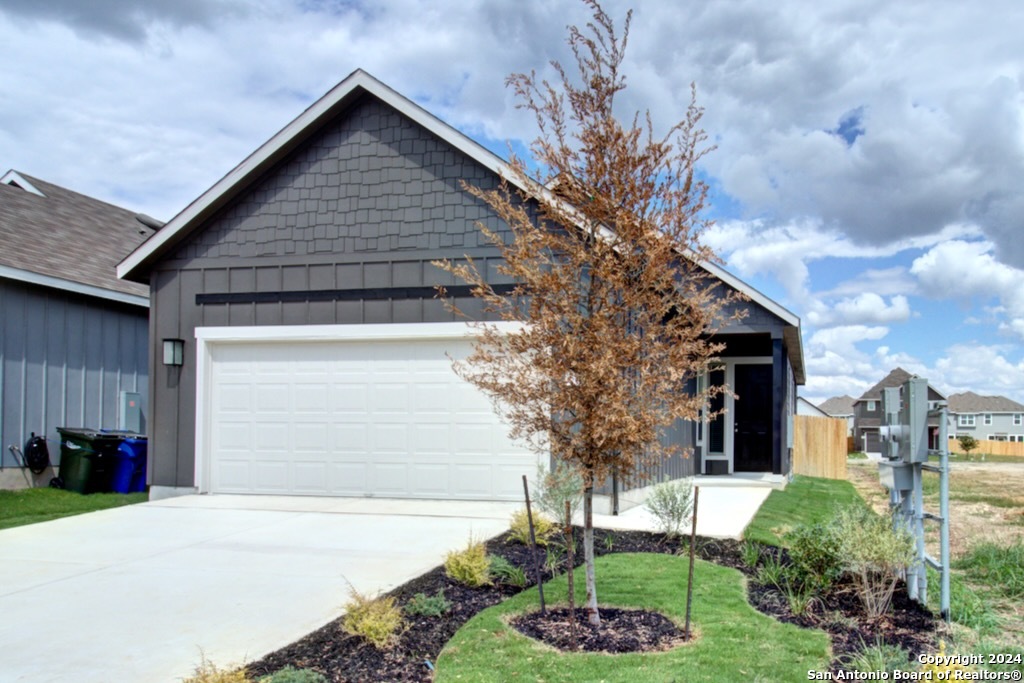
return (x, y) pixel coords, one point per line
(867, 411)
(991, 418)
(841, 407)
(73, 337)
(805, 407)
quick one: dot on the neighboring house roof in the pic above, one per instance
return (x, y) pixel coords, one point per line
(54, 237)
(135, 266)
(838, 406)
(805, 407)
(895, 378)
(970, 402)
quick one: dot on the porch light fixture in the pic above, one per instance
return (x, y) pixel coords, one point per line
(174, 351)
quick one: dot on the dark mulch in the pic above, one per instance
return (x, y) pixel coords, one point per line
(342, 657)
(621, 630)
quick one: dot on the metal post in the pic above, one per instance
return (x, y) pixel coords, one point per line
(944, 512)
(689, 582)
(533, 546)
(919, 588)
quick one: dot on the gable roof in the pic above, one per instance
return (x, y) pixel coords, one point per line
(970, 402)
(55, 237)
(357, 84)
(896, 378)
(809, 407)
(838, 406)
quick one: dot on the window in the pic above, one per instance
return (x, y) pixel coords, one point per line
(871, 406)
(1018, 420)
(988, 418)
(965, 420)
(1018, 438)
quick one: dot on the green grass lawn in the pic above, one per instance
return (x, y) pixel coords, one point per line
(734, 641)
(805, 500)
(29, 506)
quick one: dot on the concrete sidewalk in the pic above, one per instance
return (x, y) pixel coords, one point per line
(136, 594)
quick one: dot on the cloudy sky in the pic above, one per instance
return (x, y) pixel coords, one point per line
(869, 172)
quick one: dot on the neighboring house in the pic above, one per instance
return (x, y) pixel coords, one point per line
(841, 407)
(73, 337)
(868, 416)
(805, 407)
(317, 356)
(990, 418)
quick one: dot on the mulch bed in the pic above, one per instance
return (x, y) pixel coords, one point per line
(342, 657)
(621, 630)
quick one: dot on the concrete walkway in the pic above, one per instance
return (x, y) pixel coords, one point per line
(136, 594)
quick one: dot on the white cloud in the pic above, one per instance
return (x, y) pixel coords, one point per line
(963, 271)
(867, 308)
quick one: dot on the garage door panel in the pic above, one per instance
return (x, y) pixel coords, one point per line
(311, 437)
(310, 476)
(271, 436)
(390, 478)
(356, 418)
(271, 476)
(429, 480)
(348, 478)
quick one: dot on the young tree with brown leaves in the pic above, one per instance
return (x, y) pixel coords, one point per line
(605, 249)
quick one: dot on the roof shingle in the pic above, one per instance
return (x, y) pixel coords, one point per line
(67, 235)
(970, 402)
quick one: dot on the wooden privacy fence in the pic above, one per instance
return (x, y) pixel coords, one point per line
(991, 447)
(819, 446)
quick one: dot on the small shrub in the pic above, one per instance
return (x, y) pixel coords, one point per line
(377, 620)
(507, 573)
(553, 559)
(519, 528)
(425, 605)
(208, 672)
(750, 553)
(967, 443)
(553, 487)
(879, 656)
(874, 554)
(469, 566)
(801, 599)
(609, 542)
(290, 674)
(671, 503)
(771, 572)
(815, 551)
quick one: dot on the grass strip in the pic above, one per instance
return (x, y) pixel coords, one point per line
(805, 500)
(734, 641)
(30, 506)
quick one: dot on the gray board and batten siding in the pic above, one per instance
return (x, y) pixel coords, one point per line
(66, 359)
(364, 207)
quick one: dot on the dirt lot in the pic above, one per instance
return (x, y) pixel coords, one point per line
(986, 501)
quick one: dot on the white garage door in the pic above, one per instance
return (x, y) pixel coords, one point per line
(355, 418)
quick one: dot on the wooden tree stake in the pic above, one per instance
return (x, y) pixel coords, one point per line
(689, 582)
(533, 546)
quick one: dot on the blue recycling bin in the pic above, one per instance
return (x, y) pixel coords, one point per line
(129, 475)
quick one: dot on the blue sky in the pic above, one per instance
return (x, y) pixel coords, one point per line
(869, 170)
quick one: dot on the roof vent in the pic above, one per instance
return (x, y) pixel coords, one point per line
(149, 221)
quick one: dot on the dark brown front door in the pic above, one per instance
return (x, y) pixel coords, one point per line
(752, 442)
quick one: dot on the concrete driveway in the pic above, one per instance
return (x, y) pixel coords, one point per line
(136, 593)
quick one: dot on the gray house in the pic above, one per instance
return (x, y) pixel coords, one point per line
(73, 337)
(987, 418)
(298, 346)
(867, 412)
(841, 407)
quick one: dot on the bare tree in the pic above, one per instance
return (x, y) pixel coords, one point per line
(605, 249)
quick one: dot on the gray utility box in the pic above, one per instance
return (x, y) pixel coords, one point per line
(896, 476)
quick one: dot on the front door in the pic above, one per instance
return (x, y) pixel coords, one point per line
(752, 425)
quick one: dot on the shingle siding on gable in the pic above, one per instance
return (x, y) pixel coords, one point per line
(373, 182)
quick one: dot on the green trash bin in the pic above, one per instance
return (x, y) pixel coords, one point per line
(86, 459)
